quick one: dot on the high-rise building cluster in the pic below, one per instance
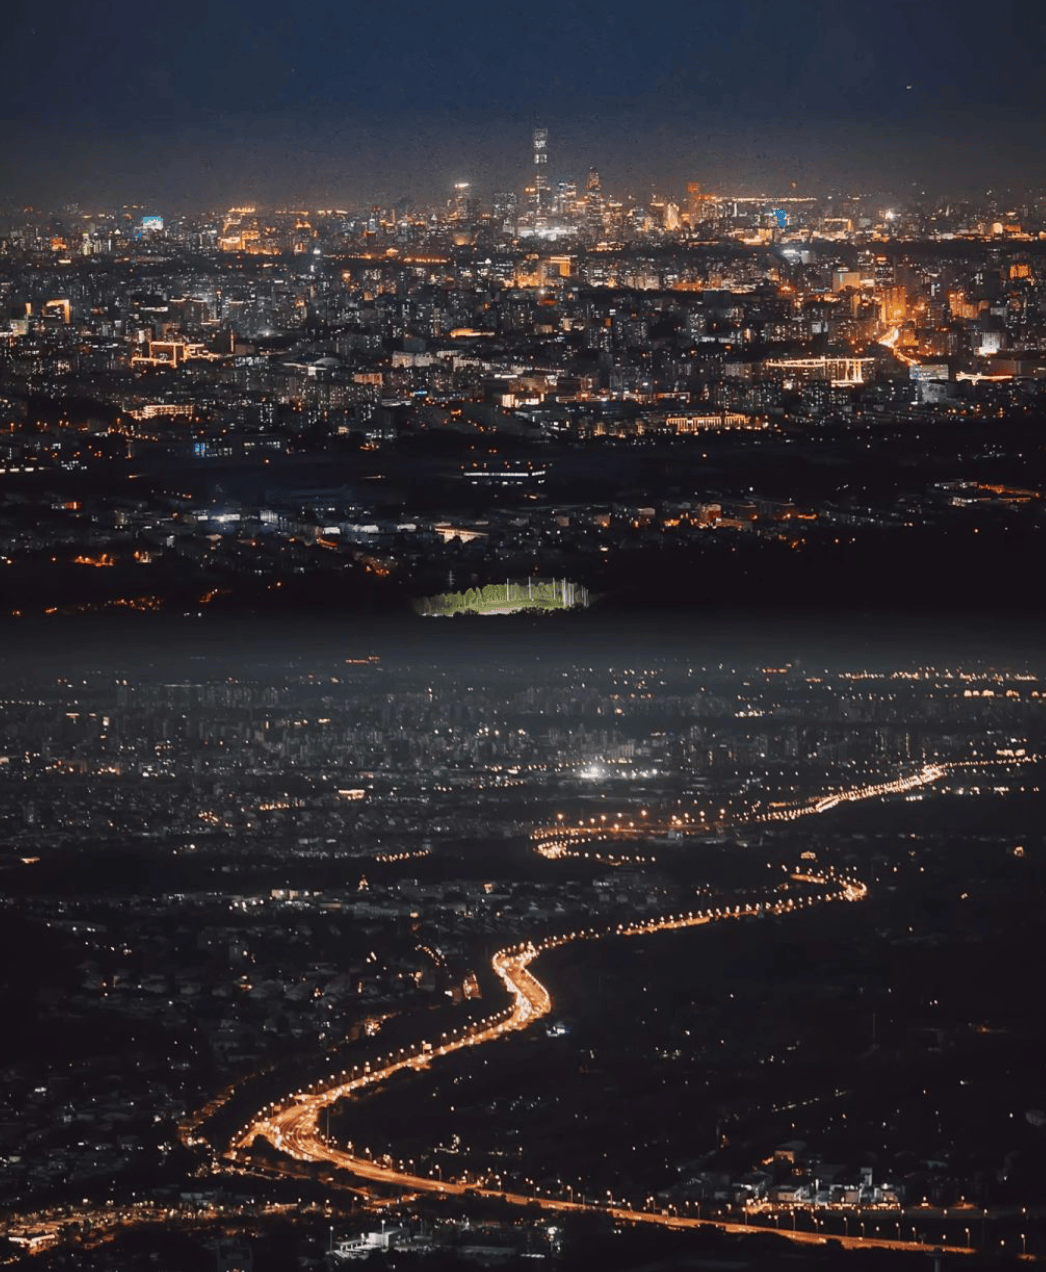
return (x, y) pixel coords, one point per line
(457, 368)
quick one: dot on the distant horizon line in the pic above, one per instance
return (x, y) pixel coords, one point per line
(82, 206)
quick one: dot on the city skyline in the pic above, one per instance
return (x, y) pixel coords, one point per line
(192, 172)
(251, 104)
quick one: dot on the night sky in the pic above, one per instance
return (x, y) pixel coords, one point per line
(348, 103)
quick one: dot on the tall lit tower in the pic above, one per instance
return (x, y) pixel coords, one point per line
(542, 193)
(593, 201)
(460, 205)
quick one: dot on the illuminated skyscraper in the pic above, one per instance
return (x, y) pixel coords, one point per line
(505, 207)
(593, 201)
(540, 191)
(463, 206)
(565, 202)
(695, 202)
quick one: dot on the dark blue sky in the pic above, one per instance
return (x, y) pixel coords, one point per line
(348, 102)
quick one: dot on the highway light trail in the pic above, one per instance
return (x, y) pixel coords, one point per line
(890, 340)
(44, 1229)
(926, 776)
(597, 841)
(293, 1126)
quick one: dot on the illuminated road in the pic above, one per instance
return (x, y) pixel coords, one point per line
(890, 341)
(294, 1126)
(45, 1229)
(529, 1000)
(926, 776)
(596, 841)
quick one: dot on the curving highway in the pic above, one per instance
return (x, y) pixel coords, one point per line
(293, 1126)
